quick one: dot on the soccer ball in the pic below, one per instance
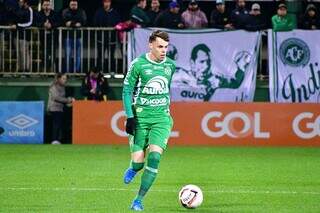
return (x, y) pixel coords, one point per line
(190, 196)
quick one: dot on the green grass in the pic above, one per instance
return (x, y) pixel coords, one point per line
(69, 178)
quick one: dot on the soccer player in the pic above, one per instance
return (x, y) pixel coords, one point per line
(148, 117)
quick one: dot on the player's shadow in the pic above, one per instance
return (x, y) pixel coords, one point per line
(219, 208)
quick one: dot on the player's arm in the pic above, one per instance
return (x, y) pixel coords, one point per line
(127, 96)
(128, 88)
(233, 83)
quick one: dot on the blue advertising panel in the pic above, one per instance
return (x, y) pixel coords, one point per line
(22, 122)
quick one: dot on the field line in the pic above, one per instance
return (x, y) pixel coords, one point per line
(217, 191)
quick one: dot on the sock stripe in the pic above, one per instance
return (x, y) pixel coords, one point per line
(152, 169)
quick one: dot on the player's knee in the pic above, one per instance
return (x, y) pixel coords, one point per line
(137, 166)
(154, 159)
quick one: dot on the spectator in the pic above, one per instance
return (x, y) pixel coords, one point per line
(219, 17)
(153, 12)
(94, 86)
(170, 18)
(48, 19)
(138, 14)
(73, 17)
(311, 19)
(3, 12)
(56, 103)
(106, 16)
(124, 27)
(255, 19)
(239, 16)
(25, 20)
(9, 13)
(193, 17)
(281, 21)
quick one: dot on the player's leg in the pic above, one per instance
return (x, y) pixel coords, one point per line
(148, 176)
(137, 149)
(151, 170)
(136, 164)
(158, 138)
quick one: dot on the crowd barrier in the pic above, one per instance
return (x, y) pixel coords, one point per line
(37, 51)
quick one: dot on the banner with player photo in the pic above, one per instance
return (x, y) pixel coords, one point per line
(294, 66)
(212, 65)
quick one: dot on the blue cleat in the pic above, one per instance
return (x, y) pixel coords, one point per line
(129, 175)
(137, 205)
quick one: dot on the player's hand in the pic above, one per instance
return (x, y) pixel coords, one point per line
(131, 125)
(68, 23)
(93, 91)
(242, 60)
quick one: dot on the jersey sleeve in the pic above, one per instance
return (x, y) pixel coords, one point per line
(128, 88)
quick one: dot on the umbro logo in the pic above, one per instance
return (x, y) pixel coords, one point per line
(21, 121)
(148, 72)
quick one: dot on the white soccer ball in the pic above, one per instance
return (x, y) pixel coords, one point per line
(190, 196)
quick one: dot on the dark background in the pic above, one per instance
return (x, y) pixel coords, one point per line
(268, 8)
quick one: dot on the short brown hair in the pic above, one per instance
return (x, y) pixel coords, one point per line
(160, 34)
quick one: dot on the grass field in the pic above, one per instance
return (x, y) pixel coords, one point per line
(69, 178)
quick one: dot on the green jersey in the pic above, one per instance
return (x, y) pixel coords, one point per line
(146, 88)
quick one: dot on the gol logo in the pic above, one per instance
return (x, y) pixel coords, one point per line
(226, 126)
(314, 127)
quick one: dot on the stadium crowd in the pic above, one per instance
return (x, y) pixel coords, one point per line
(20, 14)
(176, 14)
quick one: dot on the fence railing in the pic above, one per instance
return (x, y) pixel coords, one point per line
(37, 51)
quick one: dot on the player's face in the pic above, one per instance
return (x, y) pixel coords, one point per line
(46, 6)
(221, 8)
(73, 5)
(106, 4)
(175, 10)
(282, 11)
(155, 4)
(201, 64)
(241, 3)
(63, 80)
(311, 13)
(158, 49)
(21, 3)
(94, 75)
(143, 4)
(193, 7)
(256, 12)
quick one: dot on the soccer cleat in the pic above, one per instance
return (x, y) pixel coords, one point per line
(137, 205)
(129, 175)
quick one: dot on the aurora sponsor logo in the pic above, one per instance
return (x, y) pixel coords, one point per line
(156, 86)
(192, 94)
(153, 102)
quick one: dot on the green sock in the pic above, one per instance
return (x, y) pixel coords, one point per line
(149, 174)
(136, 166)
